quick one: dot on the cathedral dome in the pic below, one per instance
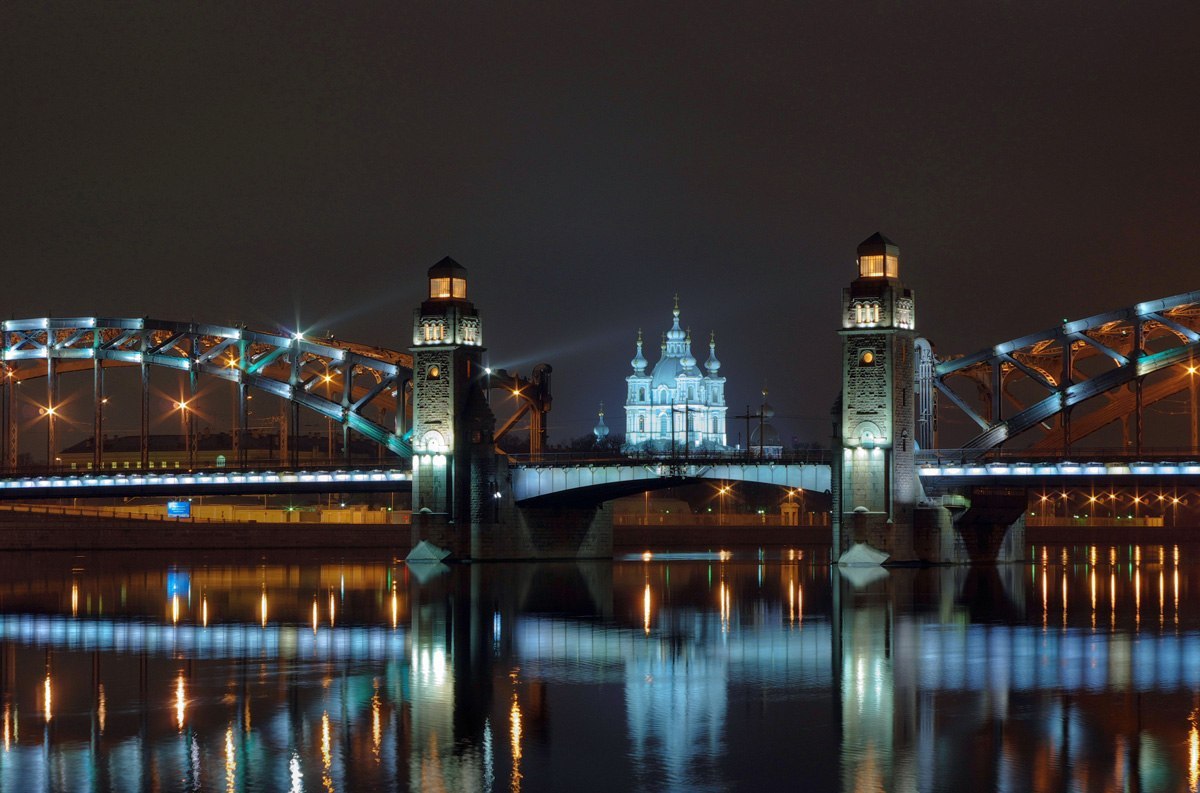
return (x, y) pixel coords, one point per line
(665, 372)
(639, 361)
(687, 360)
(712, 364)
(601, 429)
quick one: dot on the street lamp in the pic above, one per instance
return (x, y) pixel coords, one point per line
(721, 493)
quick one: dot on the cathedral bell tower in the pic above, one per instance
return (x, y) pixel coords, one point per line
(875, 483)
(453, 456)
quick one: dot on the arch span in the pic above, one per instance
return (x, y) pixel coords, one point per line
(1071, 364)
(547, 484)
(335, 379)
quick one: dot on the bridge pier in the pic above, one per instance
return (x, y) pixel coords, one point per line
(462, 492)
(878, 499)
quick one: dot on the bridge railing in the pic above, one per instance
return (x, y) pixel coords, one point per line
(37, 471)
(557, 458)
(1075, 454)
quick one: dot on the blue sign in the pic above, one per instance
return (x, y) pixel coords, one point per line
(179, 509)
(178, 583)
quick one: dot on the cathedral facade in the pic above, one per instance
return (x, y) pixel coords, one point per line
(675, 406)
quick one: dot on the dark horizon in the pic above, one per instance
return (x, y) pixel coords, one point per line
(277, 166)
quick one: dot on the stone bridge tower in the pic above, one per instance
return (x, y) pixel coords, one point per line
(875, 484)
(454, 463)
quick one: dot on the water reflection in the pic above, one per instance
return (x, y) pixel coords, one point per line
(1077, 670)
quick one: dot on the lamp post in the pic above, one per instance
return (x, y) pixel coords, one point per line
(50, 412)
(186, 414)
(721, 492)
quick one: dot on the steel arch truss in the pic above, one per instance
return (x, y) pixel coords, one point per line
(338, 380)
(1126, 345)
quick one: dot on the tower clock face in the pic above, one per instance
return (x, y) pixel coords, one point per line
(434, 442)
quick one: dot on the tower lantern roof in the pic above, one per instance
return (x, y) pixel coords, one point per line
(878, 257)
(447, 280)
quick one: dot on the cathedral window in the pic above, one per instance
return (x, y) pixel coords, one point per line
(641, 394)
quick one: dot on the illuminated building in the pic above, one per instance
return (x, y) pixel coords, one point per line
(453, 459)
(675, 405)
(875, 487)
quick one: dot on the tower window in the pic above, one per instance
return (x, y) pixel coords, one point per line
(434, 372)
(448, 288)
(434, 331)
(866, 358)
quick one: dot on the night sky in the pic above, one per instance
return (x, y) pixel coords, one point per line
(273, 163)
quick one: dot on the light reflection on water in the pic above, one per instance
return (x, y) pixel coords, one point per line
(1079, 669)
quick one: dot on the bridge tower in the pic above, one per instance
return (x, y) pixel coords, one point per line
(454, 463)
(875, 486)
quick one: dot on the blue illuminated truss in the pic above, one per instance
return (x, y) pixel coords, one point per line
(291, 366)
(1120, 347)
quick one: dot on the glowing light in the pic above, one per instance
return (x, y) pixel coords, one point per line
(326, 752)
(332, 609)
(46, 697)
(1193, 753)
(395, 608)
(180, 701)
(101, 707)
(204, 610)
(514, 720)
(297, 777)
(230, 762)
(647, 556)
(264, 608)
(174, 609)
(724, 598)
(376, 723)
(7, 727)
(74, 599)
(646, 610)
(298, 336)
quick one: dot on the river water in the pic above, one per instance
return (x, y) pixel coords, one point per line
(753, 670)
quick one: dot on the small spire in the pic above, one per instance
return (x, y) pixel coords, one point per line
(664, 341)
(639, 361)
(676, 309)
(600, 431)
(712, 364)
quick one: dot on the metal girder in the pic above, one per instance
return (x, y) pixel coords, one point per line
(1120, 336)
(273, 363)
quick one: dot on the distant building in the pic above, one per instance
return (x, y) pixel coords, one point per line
(676, 405)
(764, 438)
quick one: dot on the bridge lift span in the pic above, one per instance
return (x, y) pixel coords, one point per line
(1075, 362)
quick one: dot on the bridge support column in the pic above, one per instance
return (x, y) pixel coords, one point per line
(877, 484)
(454, 459)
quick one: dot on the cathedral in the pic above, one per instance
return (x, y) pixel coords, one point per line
(675, 406)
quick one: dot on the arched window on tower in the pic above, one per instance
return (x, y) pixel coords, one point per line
(641, 394)
(641, 423)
